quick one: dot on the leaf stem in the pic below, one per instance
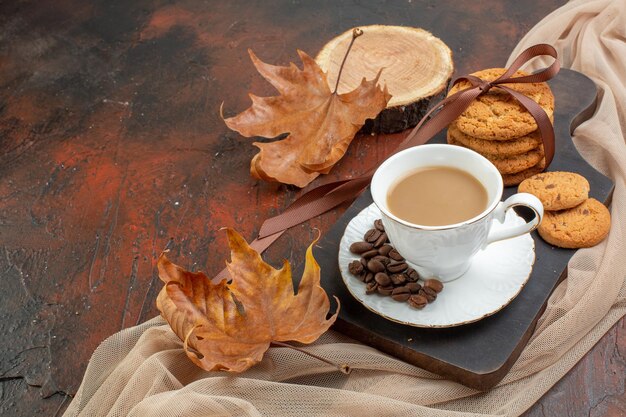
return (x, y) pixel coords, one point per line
(356, 32)
(343, 368)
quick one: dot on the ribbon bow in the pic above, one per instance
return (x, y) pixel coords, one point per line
(325, 197)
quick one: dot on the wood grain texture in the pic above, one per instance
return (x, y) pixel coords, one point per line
(111, 144)
(412, 64)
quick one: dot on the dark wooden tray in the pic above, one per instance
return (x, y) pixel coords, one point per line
(480, 354)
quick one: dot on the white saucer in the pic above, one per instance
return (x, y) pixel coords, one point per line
(497, 274)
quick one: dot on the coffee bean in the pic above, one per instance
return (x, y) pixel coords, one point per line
(385, 290)
(370, 253)
(397, 279)
(382, 259)
(412, 275)
(428, 293)
(360, 247)
(395, 255)
(371, 287)
(375, 266)
(401, 290)
(434, 284)
(385, 249)
(355, 267)
(414, 287)
(382, 279)
(372, 235)
(418, 301)
(382, 239)
(401, 297)
(385, 271)
(397, 267)
(400, 294)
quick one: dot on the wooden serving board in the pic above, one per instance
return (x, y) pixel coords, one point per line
(480, 354)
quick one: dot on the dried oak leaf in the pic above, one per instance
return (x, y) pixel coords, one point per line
(229, 325)
(321, 124)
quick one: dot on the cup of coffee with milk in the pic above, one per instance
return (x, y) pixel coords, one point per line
(439, 203)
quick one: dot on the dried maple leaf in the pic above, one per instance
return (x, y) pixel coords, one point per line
(229, 325)
(321, 124)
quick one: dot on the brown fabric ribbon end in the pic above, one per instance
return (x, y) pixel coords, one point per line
(328, 196)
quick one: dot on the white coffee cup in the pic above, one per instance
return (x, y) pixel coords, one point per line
(446, 251)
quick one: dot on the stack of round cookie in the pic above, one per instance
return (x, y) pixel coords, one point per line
(571, 219)
(502, 130)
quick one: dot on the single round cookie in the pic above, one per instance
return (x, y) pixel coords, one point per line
(496, 115)
(582, 226)
(512, 164)
(514, 179)
(557, 190)
(496, 147)
(517, 163)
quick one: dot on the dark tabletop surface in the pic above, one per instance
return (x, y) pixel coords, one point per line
(111, 144)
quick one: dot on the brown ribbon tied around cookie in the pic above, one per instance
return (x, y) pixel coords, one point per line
(328, 196)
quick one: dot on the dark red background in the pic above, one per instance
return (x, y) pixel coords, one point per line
(111, 144)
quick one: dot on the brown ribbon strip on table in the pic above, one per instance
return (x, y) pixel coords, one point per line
(328, 196)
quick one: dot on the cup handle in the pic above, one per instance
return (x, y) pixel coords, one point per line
(521, 199)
